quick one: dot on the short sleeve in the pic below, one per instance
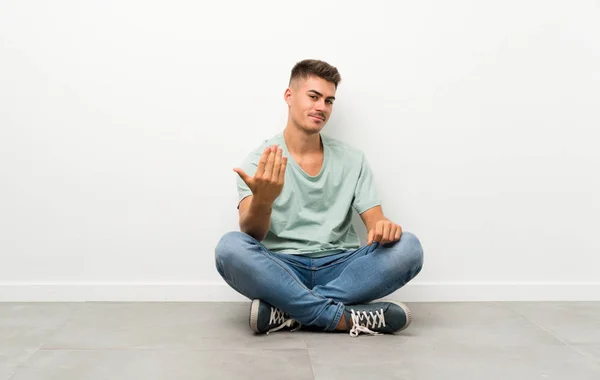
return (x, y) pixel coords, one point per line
(366, 195)
(249, 166)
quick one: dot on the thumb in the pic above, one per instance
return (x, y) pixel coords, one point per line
(245, 177)
(370, 238)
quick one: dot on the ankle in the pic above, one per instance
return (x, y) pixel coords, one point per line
(343, 324)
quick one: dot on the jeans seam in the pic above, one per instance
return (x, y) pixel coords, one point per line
(290, 262)
(336, 319)
(343, 260)
(269, 255)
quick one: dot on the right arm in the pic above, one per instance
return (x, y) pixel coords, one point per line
(266, 185)
(255, 218)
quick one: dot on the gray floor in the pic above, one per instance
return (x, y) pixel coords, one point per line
(212, 341)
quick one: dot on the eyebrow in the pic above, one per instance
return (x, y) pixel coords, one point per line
(318, 93)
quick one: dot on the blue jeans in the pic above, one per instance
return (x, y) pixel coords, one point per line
(314, 291)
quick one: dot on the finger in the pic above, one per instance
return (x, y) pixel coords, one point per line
(391, 231)
(277, 165)
(378, 232)
(398, 233)
(386, 233)
(245, 177)
(263, 161)
(282, 170)
(370, 238)
(269, 165)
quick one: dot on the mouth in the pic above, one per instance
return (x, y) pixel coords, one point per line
(317, 119)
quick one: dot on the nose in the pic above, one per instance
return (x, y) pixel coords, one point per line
(320, 105)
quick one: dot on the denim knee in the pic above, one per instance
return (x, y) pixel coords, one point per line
(413, 250)
(228, 246)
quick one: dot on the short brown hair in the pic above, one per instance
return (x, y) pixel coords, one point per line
(321, 69)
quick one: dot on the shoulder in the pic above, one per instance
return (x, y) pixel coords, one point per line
(345, 151)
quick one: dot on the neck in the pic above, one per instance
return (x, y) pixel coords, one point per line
(301, 143)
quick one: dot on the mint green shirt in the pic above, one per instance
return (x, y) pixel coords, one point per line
(313, 214)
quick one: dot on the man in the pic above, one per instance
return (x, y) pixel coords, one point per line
(298, 257)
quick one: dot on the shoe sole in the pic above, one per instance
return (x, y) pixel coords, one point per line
(406, 310)
(254, 315)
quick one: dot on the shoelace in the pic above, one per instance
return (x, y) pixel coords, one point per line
(278, 316)
(362, 320)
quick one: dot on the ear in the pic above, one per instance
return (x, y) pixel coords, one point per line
(287, 96)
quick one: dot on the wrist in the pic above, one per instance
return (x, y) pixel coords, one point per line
(260, 205)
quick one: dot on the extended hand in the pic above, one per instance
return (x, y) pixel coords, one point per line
(385, 231)
(267, 183)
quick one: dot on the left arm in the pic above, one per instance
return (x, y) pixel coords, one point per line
(380, 228)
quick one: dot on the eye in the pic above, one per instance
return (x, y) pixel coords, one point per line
(313, 97)
(329, 102)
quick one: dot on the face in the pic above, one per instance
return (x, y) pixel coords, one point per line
(310, 103)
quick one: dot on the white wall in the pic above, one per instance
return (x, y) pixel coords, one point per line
(120, 122)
